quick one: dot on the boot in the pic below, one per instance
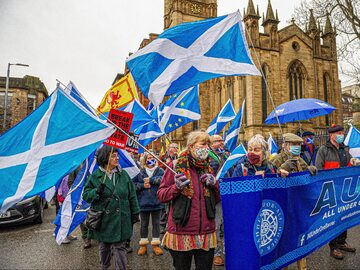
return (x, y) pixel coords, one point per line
(143, 246)
(156, 247)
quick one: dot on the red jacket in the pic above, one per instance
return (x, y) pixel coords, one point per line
(198, 222)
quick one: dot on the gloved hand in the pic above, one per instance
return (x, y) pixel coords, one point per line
(355, 161)
(181, 181)
(100, 189)
(208, 179)
(312, 170)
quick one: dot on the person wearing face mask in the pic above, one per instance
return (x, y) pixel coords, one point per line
(309, 149)
(256, 161)
(147, 183)
(334, 154)
(192, 193)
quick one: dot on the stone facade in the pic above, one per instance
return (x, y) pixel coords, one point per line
(24, 95)
(295, 63)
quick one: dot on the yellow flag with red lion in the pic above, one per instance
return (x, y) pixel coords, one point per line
(120, 94)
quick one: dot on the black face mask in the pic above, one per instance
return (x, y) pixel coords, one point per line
(253, 158)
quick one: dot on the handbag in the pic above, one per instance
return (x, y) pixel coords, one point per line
(181, 210)
(94, 217)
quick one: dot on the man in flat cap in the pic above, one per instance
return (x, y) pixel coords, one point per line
(289, 161)
(309, 150)
(334, 154)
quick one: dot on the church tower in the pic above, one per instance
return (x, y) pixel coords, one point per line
(179, 11)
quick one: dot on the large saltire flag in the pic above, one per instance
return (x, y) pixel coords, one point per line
(353, 141)
(239, 152)
(226, 114)
(119, 95)
(49, 143)
(191, 53)
(234, 129)
(180, 109)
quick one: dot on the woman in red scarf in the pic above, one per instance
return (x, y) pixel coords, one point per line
(192, 193)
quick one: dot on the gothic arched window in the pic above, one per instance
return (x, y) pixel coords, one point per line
(296, 75)
(326, 81)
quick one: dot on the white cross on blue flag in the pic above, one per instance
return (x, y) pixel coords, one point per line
(234, 129)
(190, 53)
(48, 144)
(239, 152)
(226, 114)
(180, 109)
(353, 141)
(273, 148)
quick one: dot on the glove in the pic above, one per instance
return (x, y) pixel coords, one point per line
(181, 181)
(312, 170)
(355, 162)
(100, 189)
(208, 179)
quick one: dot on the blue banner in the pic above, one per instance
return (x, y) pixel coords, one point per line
(276, 221)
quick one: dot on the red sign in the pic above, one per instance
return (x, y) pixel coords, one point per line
(122, 120)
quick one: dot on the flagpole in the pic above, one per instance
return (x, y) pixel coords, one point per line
(266, 84)
(123, 131)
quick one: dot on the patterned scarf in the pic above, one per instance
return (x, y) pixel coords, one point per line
(183, 164)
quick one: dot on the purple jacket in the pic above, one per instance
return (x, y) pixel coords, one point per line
(198, 222)
(63, 188)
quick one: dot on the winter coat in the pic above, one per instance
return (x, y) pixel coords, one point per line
(309, 157)
(217, 160)
(282, 161)
(245, 168)
(122, 211)
(147, 198)
(328, 156)
(198, 221)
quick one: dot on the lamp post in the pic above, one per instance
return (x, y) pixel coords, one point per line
(7, 89)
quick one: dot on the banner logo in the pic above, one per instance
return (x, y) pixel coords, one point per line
(268, 227)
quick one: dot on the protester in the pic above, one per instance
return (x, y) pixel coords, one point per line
(334, 154)
(62, 191)
(193, 192)
(110, 184)
(218, 157)
(309, 150)
(147, 184)
(256, 161)
(170, 155)
(289, 161)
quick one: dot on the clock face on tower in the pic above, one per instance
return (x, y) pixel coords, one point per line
(195, 8)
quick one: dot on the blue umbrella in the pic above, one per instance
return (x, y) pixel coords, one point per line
(299, 109)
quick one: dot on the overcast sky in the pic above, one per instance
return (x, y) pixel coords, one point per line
(87, 41)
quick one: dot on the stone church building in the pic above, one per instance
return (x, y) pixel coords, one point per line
(297, 63)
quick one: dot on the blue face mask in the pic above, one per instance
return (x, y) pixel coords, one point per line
(151, 162)
(309, 140)
(295, 150)
(340, 139)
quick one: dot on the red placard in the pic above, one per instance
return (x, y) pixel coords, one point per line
(122, 120)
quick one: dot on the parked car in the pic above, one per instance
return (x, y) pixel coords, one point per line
(28, 210)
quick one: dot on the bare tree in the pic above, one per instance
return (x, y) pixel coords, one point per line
(345, 18)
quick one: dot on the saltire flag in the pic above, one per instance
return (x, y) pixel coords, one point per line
(150, 107)
(353, 141)
(191, 53)
(119, 95)
(239, 152)
(180, 109)
(273, 147)
(75, 93)
(234, 129)
(73, 211)
(226, 114)
(45, 146)
(149, 132)
(141, 116)
(49, 194)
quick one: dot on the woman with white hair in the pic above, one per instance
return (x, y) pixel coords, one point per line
(256, 162)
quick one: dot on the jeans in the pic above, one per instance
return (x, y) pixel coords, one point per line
(118, 250)
(144, 223)
(203, 259)
(218, 222)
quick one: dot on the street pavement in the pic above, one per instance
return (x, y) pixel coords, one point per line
(34, 247)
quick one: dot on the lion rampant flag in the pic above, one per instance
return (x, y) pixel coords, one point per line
(119, 95)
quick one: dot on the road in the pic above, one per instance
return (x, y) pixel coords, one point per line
(34, 247)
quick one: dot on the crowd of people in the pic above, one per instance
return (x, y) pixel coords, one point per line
(180, 193)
